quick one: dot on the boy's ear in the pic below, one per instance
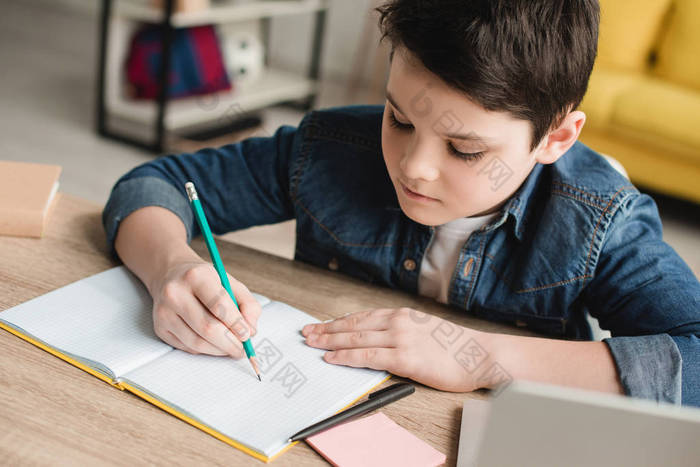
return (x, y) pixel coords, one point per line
(559, 140)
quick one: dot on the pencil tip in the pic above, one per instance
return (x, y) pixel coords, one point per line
(254, 363)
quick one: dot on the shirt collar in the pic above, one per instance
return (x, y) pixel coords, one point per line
(517, 205)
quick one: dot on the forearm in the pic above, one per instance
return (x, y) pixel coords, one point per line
(149, 239)
(586, 365)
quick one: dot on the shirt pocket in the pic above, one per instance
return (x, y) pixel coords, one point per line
(329, 256)
(526, 294)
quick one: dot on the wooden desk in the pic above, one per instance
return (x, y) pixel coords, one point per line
(55, 413)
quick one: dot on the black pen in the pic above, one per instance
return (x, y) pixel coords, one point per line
(375, 400)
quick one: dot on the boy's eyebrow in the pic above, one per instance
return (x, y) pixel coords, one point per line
(471, 136)
(393, 102)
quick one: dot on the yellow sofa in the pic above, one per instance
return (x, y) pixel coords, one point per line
(643, 98)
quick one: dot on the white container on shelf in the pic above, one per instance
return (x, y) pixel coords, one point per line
(243, 52)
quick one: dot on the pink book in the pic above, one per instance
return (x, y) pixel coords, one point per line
(26, 193)
(374, 441)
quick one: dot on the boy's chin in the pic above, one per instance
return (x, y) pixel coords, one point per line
(425, 216)
(432, 216)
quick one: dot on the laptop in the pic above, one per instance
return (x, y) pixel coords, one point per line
(543, 425)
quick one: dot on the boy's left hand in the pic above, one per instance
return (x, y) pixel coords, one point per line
(407, 343)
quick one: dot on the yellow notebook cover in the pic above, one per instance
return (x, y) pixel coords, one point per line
(204, 391)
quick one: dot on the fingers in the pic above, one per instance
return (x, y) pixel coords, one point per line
(350, 340)
(220, 305)
(218, 338)
(376, 320)
(375, 358)
(241, 319)
(171, 339)
(248, 306)
(193, 312)
(189, 340)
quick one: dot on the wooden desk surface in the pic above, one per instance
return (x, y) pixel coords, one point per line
(55, 413)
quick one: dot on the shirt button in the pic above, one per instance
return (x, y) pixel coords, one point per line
(333, 264)
(468, 267)
(409, 265)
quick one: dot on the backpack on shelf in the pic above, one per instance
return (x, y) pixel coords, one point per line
(196, 63)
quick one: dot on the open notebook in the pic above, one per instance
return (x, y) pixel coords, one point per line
(103, 325)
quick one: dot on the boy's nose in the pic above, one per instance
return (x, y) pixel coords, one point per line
(419, 165)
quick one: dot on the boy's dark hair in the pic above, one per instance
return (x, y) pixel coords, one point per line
(531, 58)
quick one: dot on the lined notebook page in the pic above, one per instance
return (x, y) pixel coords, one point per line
(298, 388)
(105, 318)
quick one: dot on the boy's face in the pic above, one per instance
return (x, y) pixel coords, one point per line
(463, 159)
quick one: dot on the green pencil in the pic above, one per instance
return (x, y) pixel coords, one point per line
(216, 259)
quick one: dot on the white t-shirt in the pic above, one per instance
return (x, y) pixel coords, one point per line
(441, 258)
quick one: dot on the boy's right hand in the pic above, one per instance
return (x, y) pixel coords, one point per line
(193, 312)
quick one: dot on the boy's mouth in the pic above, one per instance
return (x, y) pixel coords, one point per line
(415, 196)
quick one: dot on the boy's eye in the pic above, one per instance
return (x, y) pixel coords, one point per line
(397, 124)
(469, 156)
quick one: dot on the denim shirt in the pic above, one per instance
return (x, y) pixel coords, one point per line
(575, 238)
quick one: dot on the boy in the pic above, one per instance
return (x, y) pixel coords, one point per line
(469, 187)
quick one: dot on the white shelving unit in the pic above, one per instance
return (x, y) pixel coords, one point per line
(272, 87)
(220, 12)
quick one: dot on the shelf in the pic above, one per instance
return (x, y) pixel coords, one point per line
(272, 87)
(219, 12)
(120, 19)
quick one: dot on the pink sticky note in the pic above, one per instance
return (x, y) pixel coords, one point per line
(374, 441)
